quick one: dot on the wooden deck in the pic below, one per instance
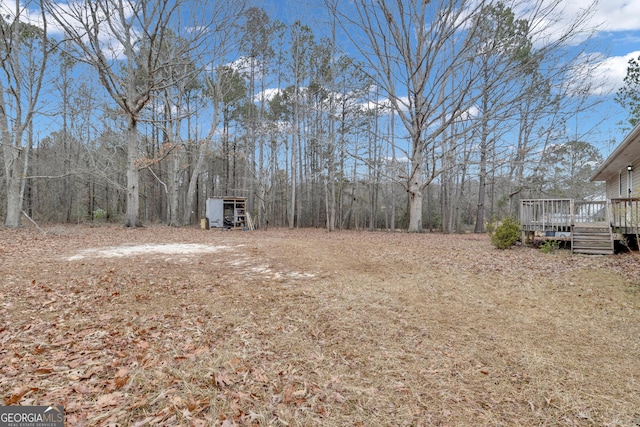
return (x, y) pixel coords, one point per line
(625, 215)
(591, 226)
(594, 238)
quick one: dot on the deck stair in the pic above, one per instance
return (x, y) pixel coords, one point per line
(592, 238)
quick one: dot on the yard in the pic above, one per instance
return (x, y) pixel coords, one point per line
(166, 326)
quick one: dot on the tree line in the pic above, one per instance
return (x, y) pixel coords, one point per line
(384, 114)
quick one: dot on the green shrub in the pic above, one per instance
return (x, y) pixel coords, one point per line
(550, 246)
(506, 234)
(99, 214)
(490, 227)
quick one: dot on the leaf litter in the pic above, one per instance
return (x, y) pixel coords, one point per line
(166, 326)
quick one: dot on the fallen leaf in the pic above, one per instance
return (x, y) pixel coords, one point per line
(122, 373)
(337, 398)
(16, 395)
(222, 379)
(177, 401)
(121, 381)
(111, 399)
(82, 389)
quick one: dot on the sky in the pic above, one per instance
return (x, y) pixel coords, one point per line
(615, 41)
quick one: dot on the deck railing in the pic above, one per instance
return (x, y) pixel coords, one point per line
(625, 215)
(590, 211)
(560, 214)
(546, 214)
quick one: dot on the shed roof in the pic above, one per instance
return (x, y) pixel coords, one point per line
(627, 153)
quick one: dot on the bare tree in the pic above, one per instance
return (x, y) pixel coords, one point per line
(124, 41)
(257, 45)
(504, 51)
(414, 49)
(24, 51)
(301, 39)
(408, 49)
(220, 43)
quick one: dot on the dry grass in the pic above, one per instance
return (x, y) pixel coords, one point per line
(305, 328)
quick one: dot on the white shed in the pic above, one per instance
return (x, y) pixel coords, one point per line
(227, 212)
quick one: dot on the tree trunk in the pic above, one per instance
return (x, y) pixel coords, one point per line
(479, 227)
(133, 175)
(262, 178)
(292, 202)
(14, 157)
(174, 187)
(22, 84)
(195, 173)
(14, 202)
(330, 187)
(484, 148)
(415, 209)
(415, 198)
(482, 183)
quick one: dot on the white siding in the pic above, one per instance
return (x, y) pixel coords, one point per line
(613, 187)
(635, 181)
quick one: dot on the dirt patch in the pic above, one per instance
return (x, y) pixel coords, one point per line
(148, 249)
(165, 326)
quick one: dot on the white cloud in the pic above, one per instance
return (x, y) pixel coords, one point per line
(609, 72)
(8, 11)
(613, 70)
(609, 15)
(243, 65)
(267, 94)
(70, 13)
(472, 113)
(614, 21)
(397, 160)
(552, 19)
(381, 105)
(615, 15)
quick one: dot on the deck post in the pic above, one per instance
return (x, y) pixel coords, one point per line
(572, 214)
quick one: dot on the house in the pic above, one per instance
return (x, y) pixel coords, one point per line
(617, 169)
(593, 226)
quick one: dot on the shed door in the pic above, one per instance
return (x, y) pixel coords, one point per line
(215, 212)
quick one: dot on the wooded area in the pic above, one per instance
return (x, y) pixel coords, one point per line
(383, 114)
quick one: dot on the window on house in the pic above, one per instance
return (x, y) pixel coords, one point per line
(620, 184)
